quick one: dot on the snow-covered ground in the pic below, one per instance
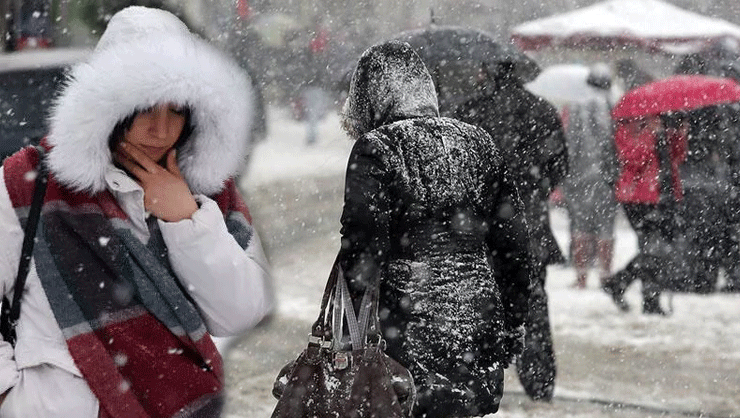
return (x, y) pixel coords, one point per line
(688, 361)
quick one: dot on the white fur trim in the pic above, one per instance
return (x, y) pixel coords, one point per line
(164, 65)
(138, 23)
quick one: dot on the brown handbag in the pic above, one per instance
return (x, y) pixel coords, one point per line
(334, 377)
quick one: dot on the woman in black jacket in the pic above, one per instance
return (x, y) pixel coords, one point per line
(428, 211)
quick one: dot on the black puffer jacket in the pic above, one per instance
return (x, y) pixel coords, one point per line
(530, 135)
(428, 205)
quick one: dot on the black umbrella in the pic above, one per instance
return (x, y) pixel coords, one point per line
(699, 64)
(455, 55)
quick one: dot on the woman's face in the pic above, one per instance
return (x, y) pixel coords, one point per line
(156, 130)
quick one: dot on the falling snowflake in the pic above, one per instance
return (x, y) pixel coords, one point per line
(120, 359)
(124, 386)
(30, 175)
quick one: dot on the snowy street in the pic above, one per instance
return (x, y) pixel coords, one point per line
(610, 364)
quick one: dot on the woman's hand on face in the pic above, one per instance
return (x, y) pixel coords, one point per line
(166, 194)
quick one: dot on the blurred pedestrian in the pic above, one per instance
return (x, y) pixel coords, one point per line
(588, 189)
(145, 246)
(528, 131)
(730, 131)
(315, 102)
(651, 150)
(711, 177)
(705, 187)
(430, 213)
(710, 189)
(314, 97)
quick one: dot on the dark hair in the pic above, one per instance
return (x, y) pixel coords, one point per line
(118, 132)
(598, 80)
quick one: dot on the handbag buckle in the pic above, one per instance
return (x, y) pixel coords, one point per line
(342, 360)
(312, 339)
(379, 341)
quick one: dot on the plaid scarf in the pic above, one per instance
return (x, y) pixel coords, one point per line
(133, 332)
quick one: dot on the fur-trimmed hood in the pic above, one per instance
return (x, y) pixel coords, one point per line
(145, 57)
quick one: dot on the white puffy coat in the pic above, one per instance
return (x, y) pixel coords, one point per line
(146, 56)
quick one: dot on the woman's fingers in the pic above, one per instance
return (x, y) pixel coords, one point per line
(129, 164)
(172, 163)
(140, 157)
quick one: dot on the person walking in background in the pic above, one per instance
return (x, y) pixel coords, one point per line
(588, 189)
(144, 246)
(314, 97)
(528, 131)
(430, 213)
(729, 131)
(650, 150)
(711, 177)
(706, 185)
(710, 208)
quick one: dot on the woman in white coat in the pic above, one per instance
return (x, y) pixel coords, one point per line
(144, 248)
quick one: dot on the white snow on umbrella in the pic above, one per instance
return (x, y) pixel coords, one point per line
(653, 22)
(562, 84)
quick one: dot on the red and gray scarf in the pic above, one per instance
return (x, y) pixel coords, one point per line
(131, 329)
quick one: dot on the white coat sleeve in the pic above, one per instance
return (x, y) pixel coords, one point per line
(11, 237)
(231, 286)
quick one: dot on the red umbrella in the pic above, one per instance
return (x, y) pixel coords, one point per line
(681, 92)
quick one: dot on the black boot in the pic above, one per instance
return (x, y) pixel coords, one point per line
(733, 280)
(651, 306)
(536, 366)
(615, 287)
(651, 290)
(730, 288)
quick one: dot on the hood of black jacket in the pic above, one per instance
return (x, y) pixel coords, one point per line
(390, 83)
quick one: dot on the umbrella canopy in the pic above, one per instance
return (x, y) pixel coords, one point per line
(676, 93)
(440, 45)
(651, 25)
(564, 84)
(454, 56)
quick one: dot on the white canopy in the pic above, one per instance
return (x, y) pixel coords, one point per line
(647, 24)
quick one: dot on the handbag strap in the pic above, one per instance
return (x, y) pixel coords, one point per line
(358, 329)
(12, 313)
(320, 332)
(344, 309)
(337, 304)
